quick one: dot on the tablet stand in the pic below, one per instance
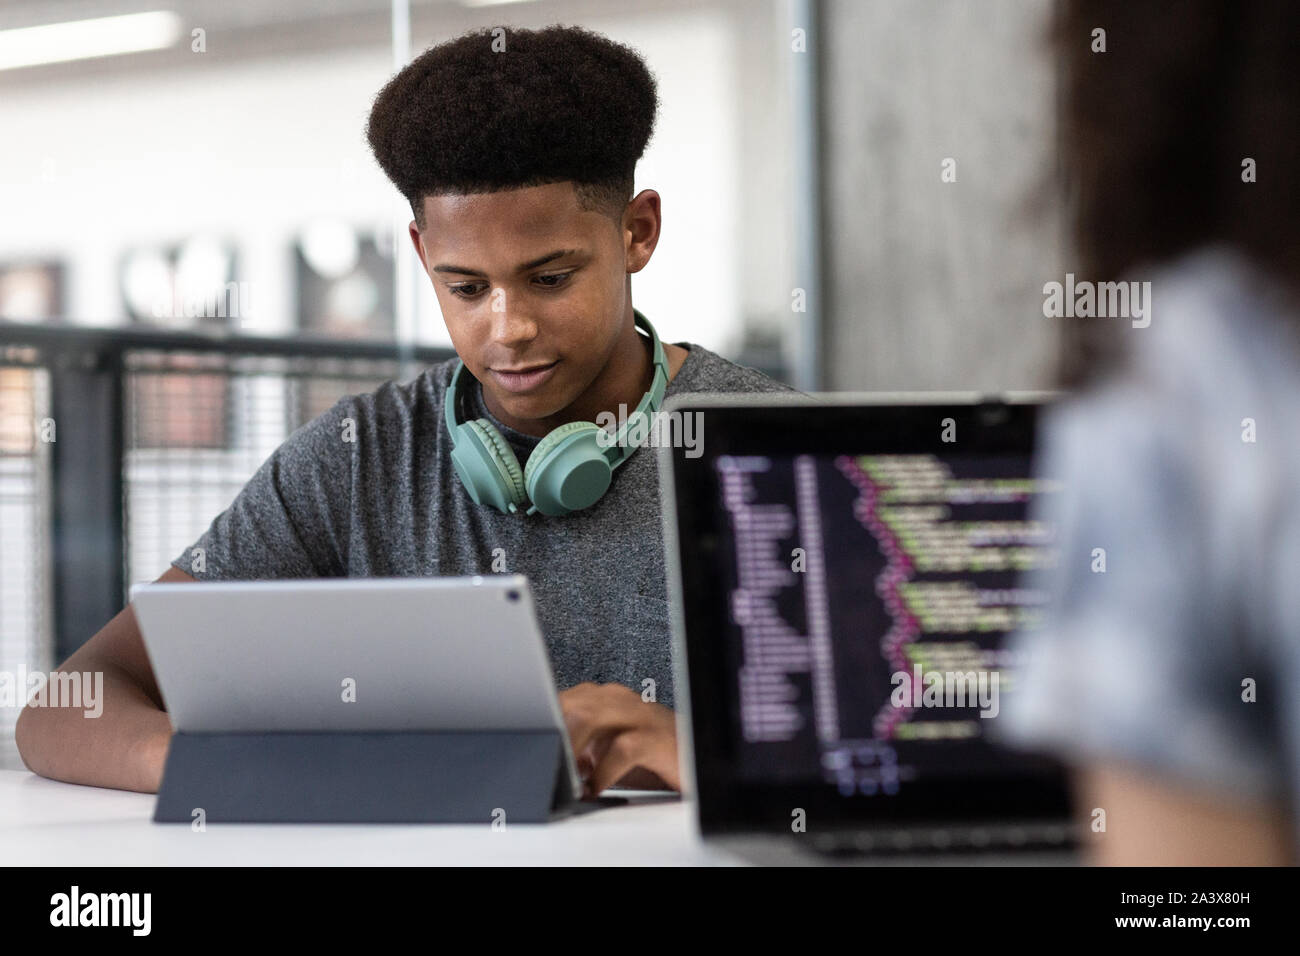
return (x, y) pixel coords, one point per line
(365, 777)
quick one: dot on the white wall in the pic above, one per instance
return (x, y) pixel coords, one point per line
(934, 284)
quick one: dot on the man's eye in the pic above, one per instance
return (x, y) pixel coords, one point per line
(559, 277)
(466, 290)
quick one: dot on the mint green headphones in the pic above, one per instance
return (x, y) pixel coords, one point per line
(568, 470)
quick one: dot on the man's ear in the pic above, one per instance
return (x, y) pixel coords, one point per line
(418, 242)
(640, 226)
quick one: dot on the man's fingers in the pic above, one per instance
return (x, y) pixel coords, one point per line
(582, 731)
(613, 732)
(586, 718)
(594, 752)
(620, 756)
(591, 755)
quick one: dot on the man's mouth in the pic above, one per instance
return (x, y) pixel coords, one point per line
(526, 378)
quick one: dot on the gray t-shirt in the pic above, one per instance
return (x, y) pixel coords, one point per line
(1182, 656)
(389, 504)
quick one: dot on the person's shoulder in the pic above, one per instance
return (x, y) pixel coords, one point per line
(399, 405)
(391, 412)
(1215, 312)
(706, 371)
(1221, 335)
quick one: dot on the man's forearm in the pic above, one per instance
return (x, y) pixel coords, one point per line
(123, 747)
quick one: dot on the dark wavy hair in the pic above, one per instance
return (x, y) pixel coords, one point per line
(1154, 132)
(504, 108)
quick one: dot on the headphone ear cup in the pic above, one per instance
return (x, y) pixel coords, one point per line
(488, 467)
(568, 470)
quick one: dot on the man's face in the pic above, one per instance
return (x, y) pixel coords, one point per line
(526, 278)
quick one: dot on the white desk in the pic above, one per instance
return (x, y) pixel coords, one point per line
(43, 822)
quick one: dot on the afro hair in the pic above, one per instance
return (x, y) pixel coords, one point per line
(505, 108)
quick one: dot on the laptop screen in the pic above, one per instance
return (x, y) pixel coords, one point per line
(850, 576)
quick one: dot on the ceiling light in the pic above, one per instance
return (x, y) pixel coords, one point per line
(490, 3)
(87, 39)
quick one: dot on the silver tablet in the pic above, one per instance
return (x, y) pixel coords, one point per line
(350, 654)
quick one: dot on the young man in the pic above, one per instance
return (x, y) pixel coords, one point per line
(516, 150)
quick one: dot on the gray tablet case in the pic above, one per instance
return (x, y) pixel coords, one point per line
(413, 700)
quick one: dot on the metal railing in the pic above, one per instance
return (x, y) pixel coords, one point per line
(119, 446)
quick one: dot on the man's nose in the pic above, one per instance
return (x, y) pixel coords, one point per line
(512, 326)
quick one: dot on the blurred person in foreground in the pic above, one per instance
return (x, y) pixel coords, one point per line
(1167, 675)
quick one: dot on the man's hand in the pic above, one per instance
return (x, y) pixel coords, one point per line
(618, 737)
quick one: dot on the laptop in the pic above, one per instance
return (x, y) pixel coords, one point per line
(845, 572)
(385, 657)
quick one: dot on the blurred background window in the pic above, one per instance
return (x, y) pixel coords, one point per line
(31, 292)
